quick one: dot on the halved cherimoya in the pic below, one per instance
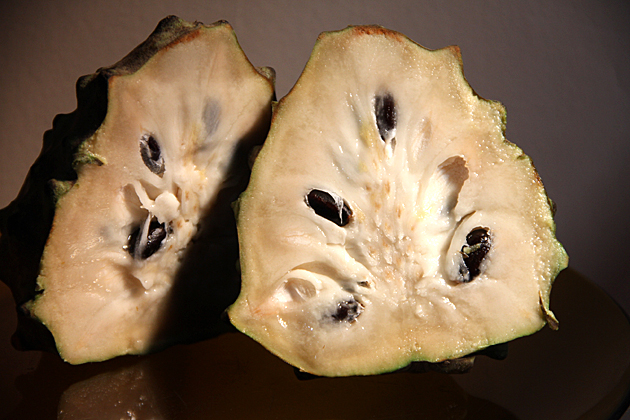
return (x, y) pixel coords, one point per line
(387, 219)
(123, 239)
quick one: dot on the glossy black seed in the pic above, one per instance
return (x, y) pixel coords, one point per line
(474, 252)
(325, 205)
(478, 236)
(155, 236)
(386, 115)
(132, 240)
(348, 311)
(151, 154)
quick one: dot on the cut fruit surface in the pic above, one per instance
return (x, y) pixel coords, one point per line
(142, 246)
(387, 219)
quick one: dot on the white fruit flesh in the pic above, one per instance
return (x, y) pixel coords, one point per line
(198, 98)
(415, 194)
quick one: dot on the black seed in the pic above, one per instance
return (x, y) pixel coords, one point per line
(478, 246)
(478, 236)
(157, 233)
(385, 111)
(325, 205)
(155, 236)
(348, 311)
(151, 154)
(132, 240)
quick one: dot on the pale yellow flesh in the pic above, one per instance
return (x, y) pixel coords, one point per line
(450, 171)
(198, 98)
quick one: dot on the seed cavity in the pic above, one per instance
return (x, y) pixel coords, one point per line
(348, 311)
(477, 246)
(151, 154)
(386, 116)
(300, 290)
(329, 206)
(448, 182)
(146, 239)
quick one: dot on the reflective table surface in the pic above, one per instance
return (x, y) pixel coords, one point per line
(581, 371)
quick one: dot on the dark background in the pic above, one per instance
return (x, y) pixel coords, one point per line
(561, 68)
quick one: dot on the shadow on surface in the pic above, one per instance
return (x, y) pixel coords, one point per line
(232, 376)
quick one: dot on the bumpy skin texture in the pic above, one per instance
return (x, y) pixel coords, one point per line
(388, 220)
(201, 279)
